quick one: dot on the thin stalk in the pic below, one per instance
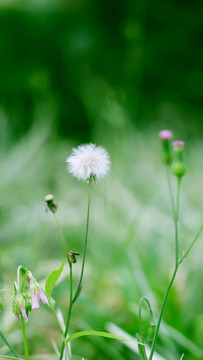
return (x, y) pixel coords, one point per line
(18, 276)
(62, 238)
(191, 245)
(69, 311)
(85, 247)
(168, 174)
(61, 330)
(77, 293)
(176, 218)
(24, 282)
(161, 314)
(7, 343)
(24, 338)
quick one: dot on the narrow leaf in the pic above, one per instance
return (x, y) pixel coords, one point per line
(98, 333)
(52, 279)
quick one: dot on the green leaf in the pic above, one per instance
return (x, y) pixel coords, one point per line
(9, 357)
(52, 279)
(98, 333)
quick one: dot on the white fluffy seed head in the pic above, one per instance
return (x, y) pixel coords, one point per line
(88, 162)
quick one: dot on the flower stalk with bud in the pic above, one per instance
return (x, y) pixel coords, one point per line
(178, 169)
(88, 163)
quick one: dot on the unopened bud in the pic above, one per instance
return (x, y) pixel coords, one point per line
(178, 166)
(20, 301)
(151, 331)
(51, 205)
(72, 256)
(165, 136)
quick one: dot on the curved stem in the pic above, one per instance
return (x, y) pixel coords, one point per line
(8, 291)
(18, 276)
(140, 321)
(85, 247)
(24, 337)
(24, 282)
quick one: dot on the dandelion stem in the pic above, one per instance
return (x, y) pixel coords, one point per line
(77, 293)
(176, 218)
(24, 338)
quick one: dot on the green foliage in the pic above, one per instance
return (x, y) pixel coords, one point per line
(52, 279)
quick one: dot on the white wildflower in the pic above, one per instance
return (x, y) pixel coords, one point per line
(88, 162)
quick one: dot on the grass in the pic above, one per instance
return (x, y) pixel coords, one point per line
(130, 246)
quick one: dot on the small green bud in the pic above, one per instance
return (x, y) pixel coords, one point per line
(51, 205)
(28, 303)
(72, 256)
(178, 167)
(151, 331)
(19, 300)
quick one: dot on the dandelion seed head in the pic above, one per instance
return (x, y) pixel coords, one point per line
(88, 161)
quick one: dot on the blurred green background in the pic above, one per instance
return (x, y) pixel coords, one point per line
(112, 73)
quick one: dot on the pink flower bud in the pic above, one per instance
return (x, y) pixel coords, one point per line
(22, 309)
(165, 134)
(178, 143)
(42, 296)
(35, 300)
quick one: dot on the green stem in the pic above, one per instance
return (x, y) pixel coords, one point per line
(61, 330)
(18, 276)
(140, 321)
(191, 245)
(62, 238)
(7, 343)
(24, 338)
(24, 282)
(85, 247)
(69, 311)
(168, 173)
(176, 218)
(161, 313)
(77, 293)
